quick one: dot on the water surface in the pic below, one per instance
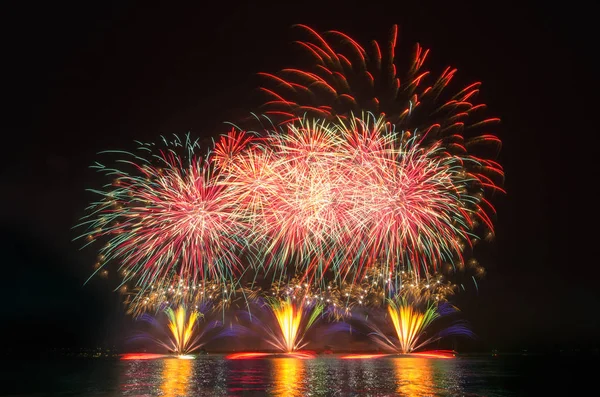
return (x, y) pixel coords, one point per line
(213, 375)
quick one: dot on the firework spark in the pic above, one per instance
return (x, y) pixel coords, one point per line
(348, 194)
(293, 320)
(367, 169)
(409, 323)
(182, 326)
(166, 215)
(344, 79)
(412, 321)
(207, 296)
(186, 330)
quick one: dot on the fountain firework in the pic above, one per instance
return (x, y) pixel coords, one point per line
(182, 326)
(412, 321)
(293, 320)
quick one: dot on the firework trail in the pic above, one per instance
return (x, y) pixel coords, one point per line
(345, 79)
(413, 316)
(166, 215)
(210, 295)
(344, 195)
(281, 321)
(293, 320)
(182, 328)
(185, 330)
(359, 167)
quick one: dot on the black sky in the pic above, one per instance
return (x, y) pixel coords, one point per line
(82, 77)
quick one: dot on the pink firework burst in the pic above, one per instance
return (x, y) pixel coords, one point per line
(167, 215)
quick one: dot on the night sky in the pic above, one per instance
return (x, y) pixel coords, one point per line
(81, 78)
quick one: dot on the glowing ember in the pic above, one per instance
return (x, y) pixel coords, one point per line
(247, 356)
(186, 357)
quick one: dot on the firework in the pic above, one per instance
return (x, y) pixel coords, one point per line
(378, 286)
(412, 307)
(292, 319)
(328, 297)
(342, 196)
(359, 169)
(186, 330)
(412, 319)
(182, 327)
(165, 215)
(409, 322)
(339, 298)
(207, 296)
(344, 79)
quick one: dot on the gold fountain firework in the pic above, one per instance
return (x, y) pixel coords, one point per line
(182, 326)
(293, 320)
(415, 305)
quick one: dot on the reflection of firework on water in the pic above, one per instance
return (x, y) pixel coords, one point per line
(177, 378)
(413, 318)
(165, 215)
(292, 319)
(348, 194)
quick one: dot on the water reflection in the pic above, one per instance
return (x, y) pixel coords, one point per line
(289, 373)
(176, 377)
(324, 376)
(214, 376)
(137, 375)
(414, 376)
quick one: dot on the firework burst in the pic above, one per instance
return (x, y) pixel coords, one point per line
(347, 194)
(166, 215)
(182, 330)
(182, 334)
(344, 79)
(361, 167)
